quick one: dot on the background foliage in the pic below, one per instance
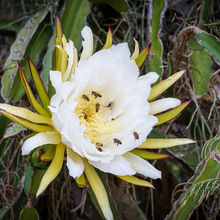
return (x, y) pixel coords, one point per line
(184, 35)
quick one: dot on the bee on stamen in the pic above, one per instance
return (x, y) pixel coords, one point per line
(99, 147)
(96, 94)
(85, 115)
(97, 107)
(136, 135)
(116, 141)
(85, 97)
(110, 105)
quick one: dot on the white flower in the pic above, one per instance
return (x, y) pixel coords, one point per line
(102, 113)
(102, 110)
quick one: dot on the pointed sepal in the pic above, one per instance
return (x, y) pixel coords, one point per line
(164, 85)
(35, 104)
(39, 84)
(155, 143)
(98, 189)
(164, 117)
(149, 155)
(81, 181)
(53, 169)
(142, 56)
(136, 181)
(108, 42)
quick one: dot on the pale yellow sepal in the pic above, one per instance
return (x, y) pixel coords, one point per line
(53, 169)
(26, 114)
(136, 50)
(26, 124)
(99, 190)
(164, 117)
(108, 42)
(81, 181)
(59, 34)
(49, 154)
(63, 56)
(164, 85)
(151, 143)
(136, 181)
(36, 105)
(45, 100)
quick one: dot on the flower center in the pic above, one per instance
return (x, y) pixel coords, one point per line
(97, 119)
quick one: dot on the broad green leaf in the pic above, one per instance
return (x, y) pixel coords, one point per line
(118, 5)
(158, 9)
(37, 44)
(33, 177)
(200, 67)
(204, 182)
(28, 213)
(17, 51)
(13, 130)
(73, 20)
(211, 44)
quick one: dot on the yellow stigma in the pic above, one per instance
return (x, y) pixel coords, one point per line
(97, 118)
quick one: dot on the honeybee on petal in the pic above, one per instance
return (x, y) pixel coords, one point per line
(97, 107)
(99, 147)
(96, 94)
(85, 97)
(136, 135)
(117, 141)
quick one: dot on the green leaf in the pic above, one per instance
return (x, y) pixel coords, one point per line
(13, 130)
(205, 9)
(9, 25)
(73, 20)
(206, 179)
(47, 60)
(29, 213)
(211, 43)
(117, 5)
(33, 177)
(158, 9)
(200, 67)
(17, 51)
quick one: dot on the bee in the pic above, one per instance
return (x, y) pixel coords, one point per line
(110, 105)
(96, 94)
(116, 141)
(136, 135)
(85, 97)
(99, 147)
(85, 115)
(97, 107)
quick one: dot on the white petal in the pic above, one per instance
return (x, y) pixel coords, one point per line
(87, 43)
(74, 163)
(69, 48)
(48, 137)
(150, 77)
(118, 166)
(56, 79)
(142, 166)
(162, 105)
